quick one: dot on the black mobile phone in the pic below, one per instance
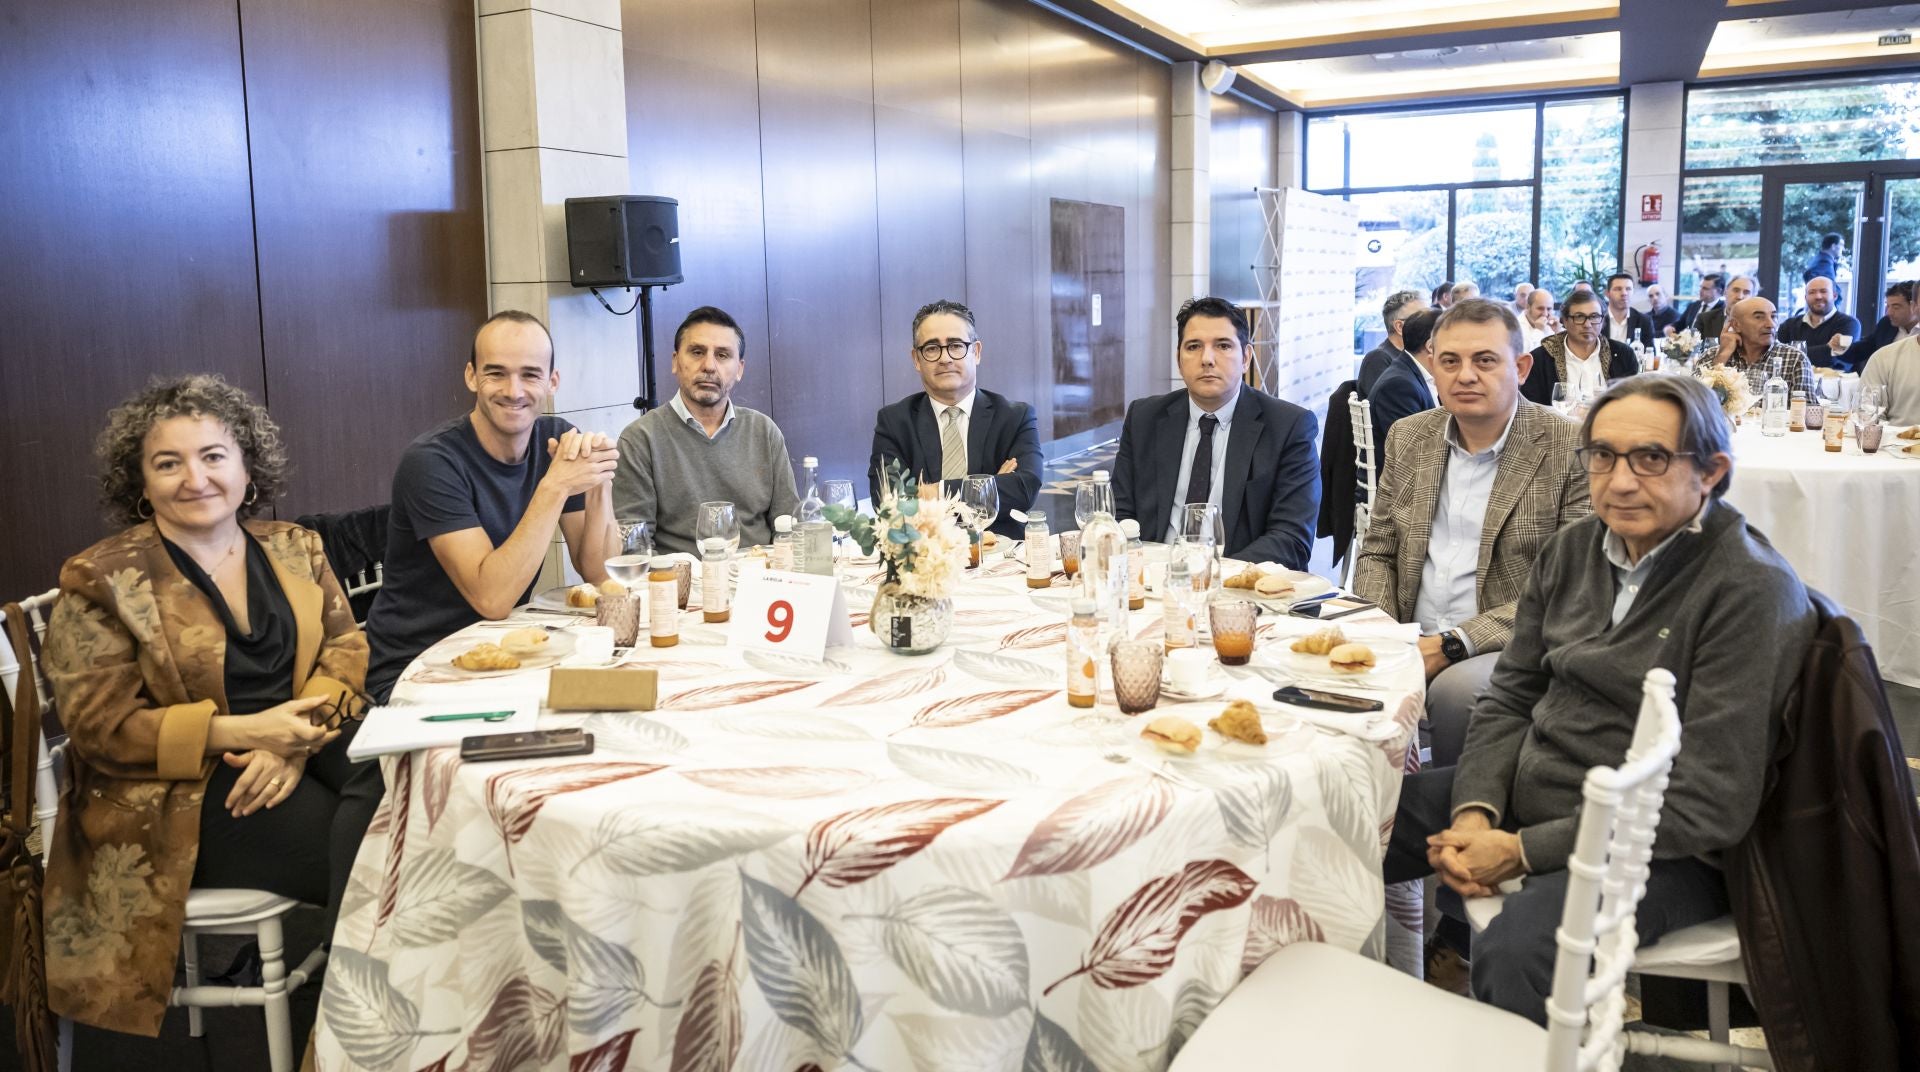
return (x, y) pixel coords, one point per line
(1325, 701)
(537, 744)
(1337, 607)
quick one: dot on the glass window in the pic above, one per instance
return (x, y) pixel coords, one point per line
(1719, 228)
(1403, 246)
(1579, 191)
(1420, 148)
(1493, 238)
(1824, 122)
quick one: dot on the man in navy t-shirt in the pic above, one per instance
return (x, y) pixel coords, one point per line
(476, 501)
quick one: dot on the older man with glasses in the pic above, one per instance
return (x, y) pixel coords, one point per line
(1581, 356)
(953, 428)
(1664, 574)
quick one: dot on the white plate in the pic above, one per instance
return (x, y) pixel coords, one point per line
(555, 598)
(1387, 655)
(559, 646)
(1305, 586)
(1214, 688)
(1909, 451)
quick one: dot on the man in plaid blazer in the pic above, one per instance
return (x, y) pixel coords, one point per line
(1471, 492)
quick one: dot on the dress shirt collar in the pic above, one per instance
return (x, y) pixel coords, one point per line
(1224, 414)
(679, 406)
(1616, 548)
(1499, 445)
(966, 407)
(1599, 347)
(1433, 388)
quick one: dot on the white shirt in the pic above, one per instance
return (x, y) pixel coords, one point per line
(680, 408)
(965, 406)
(1588, 373)
(1628, 577)
(1448, 595)
(1897, 368)
(1617, 329)
(1433, 388)
(1177, 514)
(1531, 335)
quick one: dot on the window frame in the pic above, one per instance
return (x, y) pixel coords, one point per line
(1347, 191)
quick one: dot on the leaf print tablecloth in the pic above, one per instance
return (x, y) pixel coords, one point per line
(898, 864)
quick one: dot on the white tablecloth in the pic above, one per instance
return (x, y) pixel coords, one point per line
(891, 863)
(1850, 525)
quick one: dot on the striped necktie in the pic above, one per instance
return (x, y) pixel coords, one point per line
(953, 446)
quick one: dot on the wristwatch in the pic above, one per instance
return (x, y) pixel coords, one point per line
(1451, 646)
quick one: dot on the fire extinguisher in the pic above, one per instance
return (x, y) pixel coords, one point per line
(1646, 261)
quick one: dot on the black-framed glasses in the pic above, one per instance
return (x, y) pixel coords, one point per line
(337, 711)
(1583, 318)
(953, 349)
(1644, 461)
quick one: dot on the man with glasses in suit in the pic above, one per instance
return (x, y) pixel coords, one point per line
(953, 428)
(1581, 356)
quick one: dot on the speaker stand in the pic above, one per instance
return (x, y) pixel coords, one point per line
(648, 400)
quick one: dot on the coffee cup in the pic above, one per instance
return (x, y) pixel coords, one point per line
(1187, 670)
(593, 643)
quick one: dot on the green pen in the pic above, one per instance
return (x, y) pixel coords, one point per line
(470, 716)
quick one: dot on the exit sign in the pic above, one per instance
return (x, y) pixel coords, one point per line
(1889, 40)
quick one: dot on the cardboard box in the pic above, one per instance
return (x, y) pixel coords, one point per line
(577, 689)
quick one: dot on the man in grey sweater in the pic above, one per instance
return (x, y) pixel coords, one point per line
(700, 447)
(1663, 574)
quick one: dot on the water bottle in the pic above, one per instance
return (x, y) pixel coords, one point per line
(1774, 416)
(780, 558)
(1103, 557)
(812, 507)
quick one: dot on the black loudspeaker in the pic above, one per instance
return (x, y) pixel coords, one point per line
(623, 241)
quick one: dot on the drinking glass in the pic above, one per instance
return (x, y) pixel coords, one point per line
(1070, 553)
(1083, 502)
(1873, 403)
(718, 519)
(1203, 521)
(1136, 674)
(1565, 397)
(1870, 433)
(981, 494)
(1232, 619)
(839, 493)
(629, 564)
(1198, 553)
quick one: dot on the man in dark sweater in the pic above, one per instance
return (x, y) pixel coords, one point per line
(1820, 330)
(1903, 310)
(1664, 574)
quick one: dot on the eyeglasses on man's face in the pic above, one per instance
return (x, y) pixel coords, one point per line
(1583, 318)
(1644, 461)
(953, 349)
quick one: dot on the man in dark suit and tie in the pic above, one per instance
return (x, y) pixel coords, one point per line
(1709, 299)
(1399, 306)
(952, 428)
(1212, 442)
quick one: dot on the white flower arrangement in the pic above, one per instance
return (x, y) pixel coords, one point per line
(1680, 346)
(1729, 386)
(921, 543)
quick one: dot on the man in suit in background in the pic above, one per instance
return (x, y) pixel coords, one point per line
(1903, 311)
(1711, 322)
(1661, 311)
(1624, 322)
(1709, 298)
(953, 428)
(1469, 495)
(1212, 442)
(1580, 356)
(1407, 387)
(1399, 306)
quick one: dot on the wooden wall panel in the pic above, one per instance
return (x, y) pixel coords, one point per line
(823, 254)
(919, 179)
(1242, 157)
(366, 162)
(127, 239)
(693, 133)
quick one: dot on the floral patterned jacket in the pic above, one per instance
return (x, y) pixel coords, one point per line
(136, 656)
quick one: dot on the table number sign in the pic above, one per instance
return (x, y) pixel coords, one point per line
(791, 613)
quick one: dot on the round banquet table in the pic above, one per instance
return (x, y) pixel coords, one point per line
(1850, 525)
(882, 862)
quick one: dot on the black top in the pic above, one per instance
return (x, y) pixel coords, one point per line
(446, 482)
(1795, 329)
(999, 430)
(260, 663)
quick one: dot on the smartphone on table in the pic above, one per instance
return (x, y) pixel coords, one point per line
(1332, 607)
(533, 744)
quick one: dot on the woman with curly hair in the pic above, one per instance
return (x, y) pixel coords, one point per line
(205, 664)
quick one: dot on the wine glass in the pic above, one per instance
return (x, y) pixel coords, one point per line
(628, 564)
(838, 493)
(981, 494)
(1085, 503)
(717, 519)
(1565, 397)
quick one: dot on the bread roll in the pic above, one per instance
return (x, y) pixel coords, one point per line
(583, 595)
(525, 643)
(1351, 658)
(1173, 734)
(1320, 641)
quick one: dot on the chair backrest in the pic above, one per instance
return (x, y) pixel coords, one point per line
(1607, 876)
(1365, 475)
(46, 784)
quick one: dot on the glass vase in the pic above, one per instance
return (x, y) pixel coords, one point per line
(908, 624)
